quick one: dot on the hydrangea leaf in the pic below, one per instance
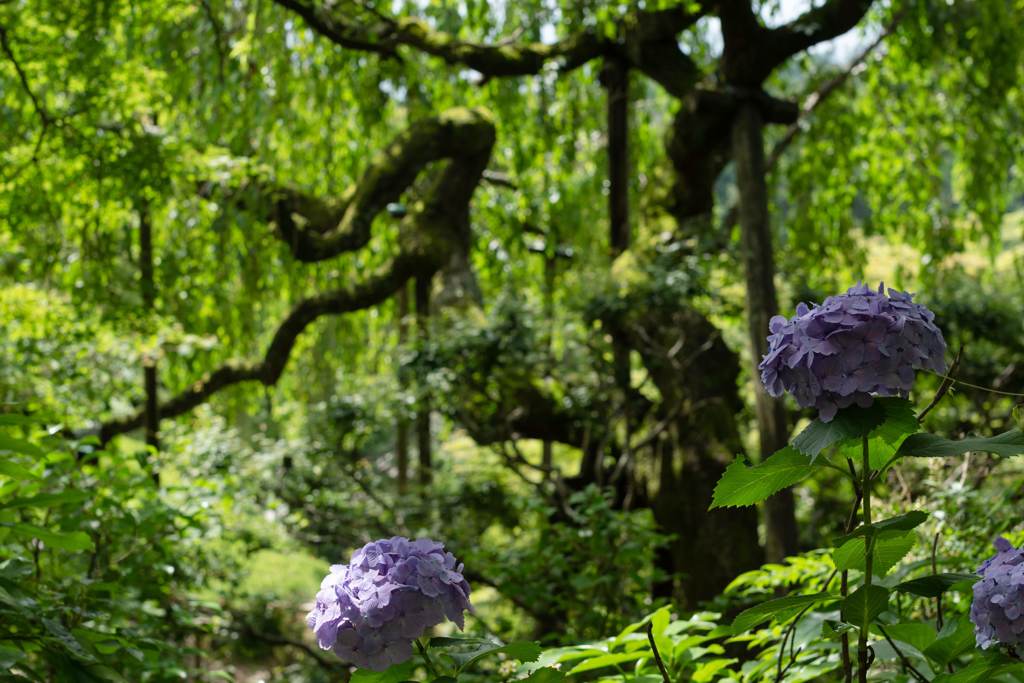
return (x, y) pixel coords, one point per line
(916, 634)
(467, 651)
(851, 423)
(780, 608)
(889, 548)
(955, 639)
(924, 445)
(934, 585)
(864, 604)
(884, 441)
(742, 485)
(395, 674)
(905, 522)
(985, 666)
(900, 423)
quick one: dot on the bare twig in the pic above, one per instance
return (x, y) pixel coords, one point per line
(5, 45)
(903, 658)
(935, 570)
(657, 655)
(272, 639)
(944, 387)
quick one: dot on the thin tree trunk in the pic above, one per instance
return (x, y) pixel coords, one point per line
(402, 428)
(423, 445)
(547, 450)
(151, 420)
(615, 78)
(762, 304)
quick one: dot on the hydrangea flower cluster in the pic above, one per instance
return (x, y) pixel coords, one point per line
(997, 610)
(370, 610)
(851, 347)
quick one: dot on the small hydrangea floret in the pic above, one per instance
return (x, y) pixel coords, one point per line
(371, 610)
(997, 610)
(854, 346)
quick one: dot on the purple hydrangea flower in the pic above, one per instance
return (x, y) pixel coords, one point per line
(998, 606)
(370, 610)
(853, 346)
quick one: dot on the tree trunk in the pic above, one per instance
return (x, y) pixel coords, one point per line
(615, 79)
(423, 445)
(402, 426)
(696, 374)
(762, 303)
(151, 417)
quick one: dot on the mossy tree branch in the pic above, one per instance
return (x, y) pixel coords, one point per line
(648, 42)
(434, 227)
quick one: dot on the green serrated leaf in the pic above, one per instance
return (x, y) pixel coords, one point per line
(984, 667)
(934, 585)
(905, 522)
(850, 423)
(956, 638)
(889, 548)
(781, 608)
(925, 445)
(900, 423)
(885, 440)
(864, 604)
(917, 634)
(467, 651)
(741, 485)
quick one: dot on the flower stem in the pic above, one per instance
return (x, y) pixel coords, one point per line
(426, 658)
(869, 552)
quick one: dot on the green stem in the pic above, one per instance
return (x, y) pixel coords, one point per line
(426, 658)
(869, 552)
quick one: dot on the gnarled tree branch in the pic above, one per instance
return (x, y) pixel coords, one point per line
(326, 229)
(648, 43)
(752, 51)
(435, 227)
